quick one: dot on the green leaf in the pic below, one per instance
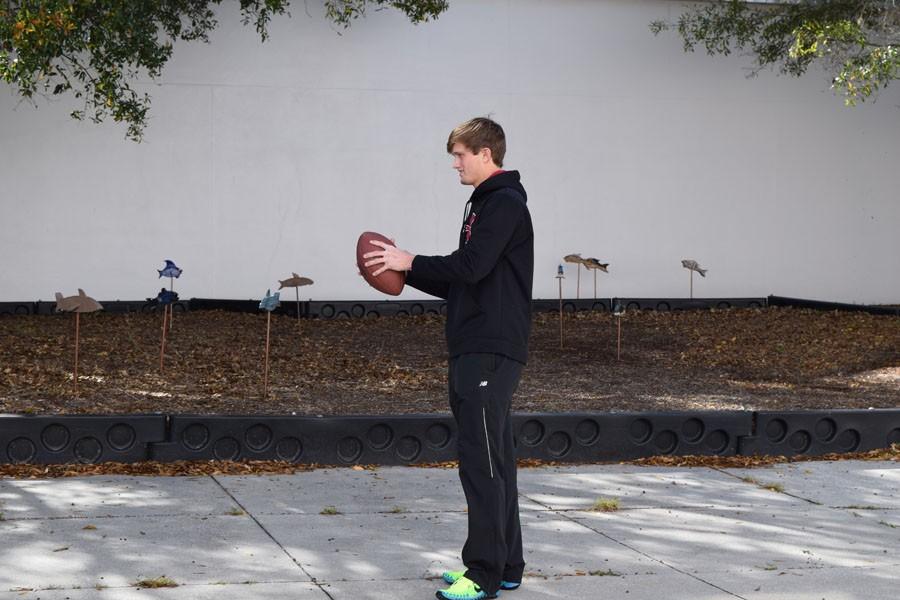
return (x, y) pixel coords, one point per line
(95, 49)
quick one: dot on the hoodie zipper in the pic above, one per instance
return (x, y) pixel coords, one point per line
(462, 232)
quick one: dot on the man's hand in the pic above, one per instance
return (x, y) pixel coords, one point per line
(391, 258)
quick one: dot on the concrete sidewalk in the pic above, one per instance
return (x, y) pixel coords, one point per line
(826, 530)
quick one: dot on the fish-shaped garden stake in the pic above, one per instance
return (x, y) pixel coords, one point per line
(692, 265)
(170, 270)
(595, 265)
(166, 297)
(82, 303)
(269, 303)
(295, 281)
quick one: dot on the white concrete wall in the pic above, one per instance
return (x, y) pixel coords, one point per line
(262, 159)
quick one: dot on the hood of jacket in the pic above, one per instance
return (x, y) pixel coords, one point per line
(506, 179)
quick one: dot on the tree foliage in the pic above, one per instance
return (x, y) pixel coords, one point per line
(856, 40)
(95, 49)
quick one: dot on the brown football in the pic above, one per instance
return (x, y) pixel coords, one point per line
(389, 282)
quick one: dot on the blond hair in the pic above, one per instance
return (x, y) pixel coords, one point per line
(479, 133)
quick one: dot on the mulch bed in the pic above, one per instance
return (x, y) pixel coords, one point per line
(184, 468)
(741, 359)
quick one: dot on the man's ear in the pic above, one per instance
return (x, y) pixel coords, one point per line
(486, 155)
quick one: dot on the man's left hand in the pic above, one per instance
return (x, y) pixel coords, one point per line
(391, 258)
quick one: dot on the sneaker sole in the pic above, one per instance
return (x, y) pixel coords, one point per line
(441, 596)
(506, 586)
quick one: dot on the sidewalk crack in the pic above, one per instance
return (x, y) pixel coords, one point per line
(795, 496)
(633, 549)
(272, 537)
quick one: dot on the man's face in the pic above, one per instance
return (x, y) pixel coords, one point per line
(473, 168)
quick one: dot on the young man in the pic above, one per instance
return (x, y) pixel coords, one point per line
(487, 285)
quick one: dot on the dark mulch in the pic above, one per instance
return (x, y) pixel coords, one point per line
(195, 468)
(774, 358)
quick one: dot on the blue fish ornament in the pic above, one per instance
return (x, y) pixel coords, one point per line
(170, 270)
(270, 302)
(166, 297)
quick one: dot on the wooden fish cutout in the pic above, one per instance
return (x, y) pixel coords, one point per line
(82, 303)
(294, 281)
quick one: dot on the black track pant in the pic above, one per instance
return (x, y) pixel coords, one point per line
(481, 388)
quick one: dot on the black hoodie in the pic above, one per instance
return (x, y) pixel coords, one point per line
(487, 281)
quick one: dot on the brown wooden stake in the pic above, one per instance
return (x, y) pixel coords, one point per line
(77, 335)
(266, 376)
(171, 310)
(692, 285)
(162, 346)
(578, 282)
(595, 284)
(297, 289)
(619, 338)
(560, 315)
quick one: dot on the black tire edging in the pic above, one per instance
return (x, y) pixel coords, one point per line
(355, 309)
(422, 439)
(331, 309)
(383, 440)
(815, 433)
(822, 305)
(83, 439)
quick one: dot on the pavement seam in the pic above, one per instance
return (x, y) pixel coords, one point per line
(850, 508)
(720, 470)
(624, 509)
(99, 517)
(644, 554)
(137, 587)
(272, 537)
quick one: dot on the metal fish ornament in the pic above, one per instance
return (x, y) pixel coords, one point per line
(166, 297)
(593, 263)
(170, 270)
(693, 266)
(270, 302)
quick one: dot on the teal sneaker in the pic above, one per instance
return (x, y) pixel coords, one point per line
(462, 589)
(453, 576)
